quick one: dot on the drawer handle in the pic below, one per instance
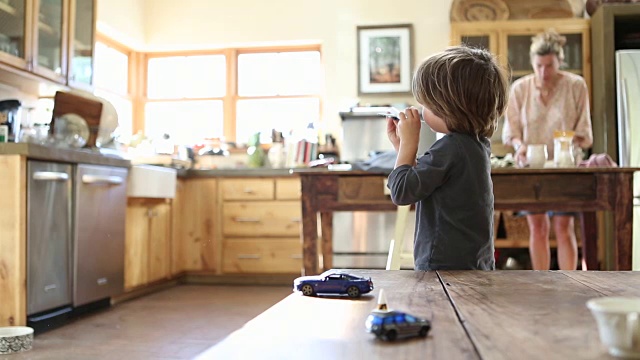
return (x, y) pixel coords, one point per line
(537, 187)
(102, 281)
(296, 219)
(246, 219)
(48, 288)
(249, 256)
(249, 191)
(50, 176)
(296, 256)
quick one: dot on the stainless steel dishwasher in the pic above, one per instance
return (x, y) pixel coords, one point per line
(49, 214)
(100, 208)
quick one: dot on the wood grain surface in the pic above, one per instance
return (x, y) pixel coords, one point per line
(474, 314)
(543, 312)
(301, 327)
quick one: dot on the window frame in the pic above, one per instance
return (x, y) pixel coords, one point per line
(231, 97)
(132, 79)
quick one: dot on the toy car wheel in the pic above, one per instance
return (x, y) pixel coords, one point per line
(423, 331)
(353, 291)
(391, 335)
(307, 290)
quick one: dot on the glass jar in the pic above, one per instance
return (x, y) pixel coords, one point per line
(563, 149)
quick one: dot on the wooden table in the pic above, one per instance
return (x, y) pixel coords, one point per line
(474, 314)
(576, 189)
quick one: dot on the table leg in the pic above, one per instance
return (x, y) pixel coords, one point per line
(589, 228)
(622, 219)
(309, 230)
(326, 225)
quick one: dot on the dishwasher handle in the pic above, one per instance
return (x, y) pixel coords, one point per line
(50, 176)
(102, 179)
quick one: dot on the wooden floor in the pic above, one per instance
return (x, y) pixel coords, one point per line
(177, 323)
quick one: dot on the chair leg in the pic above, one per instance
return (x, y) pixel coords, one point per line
(394, 259)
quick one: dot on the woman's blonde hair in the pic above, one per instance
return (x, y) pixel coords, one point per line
(548, 42)
(465, 87)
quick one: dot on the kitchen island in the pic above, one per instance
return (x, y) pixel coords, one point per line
(474, 315)
(576, 189)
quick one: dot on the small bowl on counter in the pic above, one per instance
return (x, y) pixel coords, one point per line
(14, 339)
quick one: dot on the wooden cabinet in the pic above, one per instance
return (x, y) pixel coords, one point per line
(614, 27)
(148, 241)
(196, 226)
(510, 40)
(261, 221)
(49, 38)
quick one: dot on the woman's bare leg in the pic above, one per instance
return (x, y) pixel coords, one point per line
(539, 241)
(563, 227)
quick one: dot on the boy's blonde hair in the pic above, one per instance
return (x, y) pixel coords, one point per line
(465, 87)
(548, 42)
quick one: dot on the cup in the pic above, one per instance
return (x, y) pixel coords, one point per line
(618, 320)
(536, 155)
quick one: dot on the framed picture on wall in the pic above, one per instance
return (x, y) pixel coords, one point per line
(385, 59)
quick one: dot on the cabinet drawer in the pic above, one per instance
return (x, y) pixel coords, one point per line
(358, 189)
(247, 189)
(544, 187)
(288, 189)
(266, 218)
(262, 256)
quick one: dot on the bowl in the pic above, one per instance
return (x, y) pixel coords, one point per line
(618, 320)
(14, 339)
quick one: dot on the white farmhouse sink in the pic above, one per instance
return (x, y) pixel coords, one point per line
(149, 181)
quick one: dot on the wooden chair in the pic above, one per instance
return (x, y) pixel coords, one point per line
(396, 257)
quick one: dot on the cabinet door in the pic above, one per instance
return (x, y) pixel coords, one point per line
(196, 244)
(14, 20)
(136, 247)
(476, 36)
(81, 40)
(50, 40)
(517, 46)
(159, 242)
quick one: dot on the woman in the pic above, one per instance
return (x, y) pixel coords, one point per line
(540, 103)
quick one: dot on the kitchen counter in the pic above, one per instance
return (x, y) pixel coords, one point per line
(255, 172)
(473, 314)
(50, 153)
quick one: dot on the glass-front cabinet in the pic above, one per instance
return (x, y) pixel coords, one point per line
(510, 41)
(81, 46)
(50, 40)
(13, 34)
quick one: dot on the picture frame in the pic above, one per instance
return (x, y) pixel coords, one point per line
(385, 59)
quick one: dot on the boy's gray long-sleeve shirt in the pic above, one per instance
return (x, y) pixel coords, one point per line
(452, 188)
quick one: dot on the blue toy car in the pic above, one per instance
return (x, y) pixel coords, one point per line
(333, 282)
(392, 324)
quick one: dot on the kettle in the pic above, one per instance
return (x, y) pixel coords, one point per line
(10, 117)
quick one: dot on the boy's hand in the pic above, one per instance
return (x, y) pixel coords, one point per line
(392, 132)
(409, 127)
(408, 131)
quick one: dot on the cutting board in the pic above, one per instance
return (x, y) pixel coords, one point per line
(89, 110)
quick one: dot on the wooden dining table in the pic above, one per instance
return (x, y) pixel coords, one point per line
(521, 314)
(560, 189)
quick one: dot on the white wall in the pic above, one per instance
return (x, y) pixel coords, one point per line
(123, 21)
(170, 24)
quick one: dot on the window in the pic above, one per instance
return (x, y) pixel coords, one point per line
(186, 97)
(277, 90)
(111, 79)
(232, 94)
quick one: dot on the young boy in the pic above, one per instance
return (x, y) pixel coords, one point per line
(463, 91)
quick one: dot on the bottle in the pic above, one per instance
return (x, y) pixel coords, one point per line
(255, 152)
(276, 155)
